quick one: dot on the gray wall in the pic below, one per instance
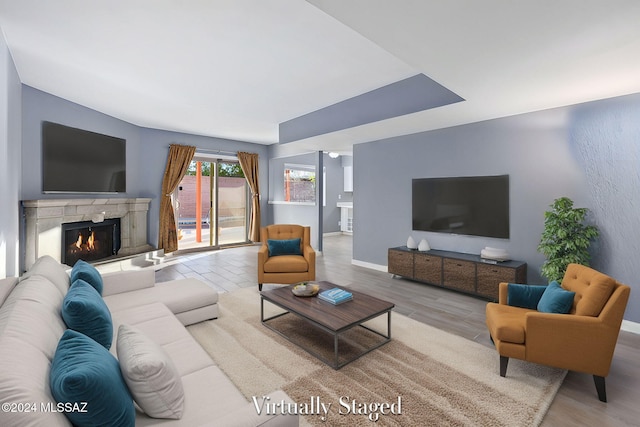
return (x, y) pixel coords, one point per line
(587, 152)
(285, 213)
(147, 150)
(155, 145)
(10, 135)
(302, 214)
(39, 106)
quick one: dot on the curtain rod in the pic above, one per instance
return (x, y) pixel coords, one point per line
(213, 151)
(206, 150)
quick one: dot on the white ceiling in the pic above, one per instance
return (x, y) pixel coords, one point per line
(237, 68)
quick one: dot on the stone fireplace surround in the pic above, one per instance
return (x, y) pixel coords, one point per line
(43, 231)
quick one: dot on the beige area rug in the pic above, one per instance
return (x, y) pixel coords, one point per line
(431, 377)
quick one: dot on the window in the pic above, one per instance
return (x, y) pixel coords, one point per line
(212, 204)
(299, 183)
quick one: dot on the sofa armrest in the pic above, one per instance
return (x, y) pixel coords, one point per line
(253, 414)
(118, 282)
(503, 293)
(263, 254)
(309, 254)
(579, 343)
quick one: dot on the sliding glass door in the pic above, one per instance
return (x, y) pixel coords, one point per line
(212, 205)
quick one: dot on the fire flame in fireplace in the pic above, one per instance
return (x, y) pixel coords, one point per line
(80, 245)
(89, 246)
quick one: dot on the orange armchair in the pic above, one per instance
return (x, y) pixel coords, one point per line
(286, 268)
(582, 340)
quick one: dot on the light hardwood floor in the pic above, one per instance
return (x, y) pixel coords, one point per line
(576, 403)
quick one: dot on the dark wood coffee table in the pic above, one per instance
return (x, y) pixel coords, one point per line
(334, 319)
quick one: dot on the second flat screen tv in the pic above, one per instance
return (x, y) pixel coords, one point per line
(79, 161)
(470, 205)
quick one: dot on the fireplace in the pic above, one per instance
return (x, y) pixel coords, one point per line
(89, 241)
(44, 218)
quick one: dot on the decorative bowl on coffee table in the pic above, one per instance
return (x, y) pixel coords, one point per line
(306, 289)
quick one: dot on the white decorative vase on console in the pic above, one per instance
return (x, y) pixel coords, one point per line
(424, 246)
(411, 243)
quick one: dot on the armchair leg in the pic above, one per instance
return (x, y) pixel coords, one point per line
(259, 286)
(504, 361)
(600, 388)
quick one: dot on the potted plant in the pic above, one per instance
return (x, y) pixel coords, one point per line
(565, 238)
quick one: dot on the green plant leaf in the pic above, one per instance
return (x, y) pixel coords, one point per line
(565, 238)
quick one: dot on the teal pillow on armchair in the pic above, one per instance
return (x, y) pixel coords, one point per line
(284, 247)
(525, 296)
(556, 300)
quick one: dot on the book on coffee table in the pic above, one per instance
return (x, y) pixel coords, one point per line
(335, 296)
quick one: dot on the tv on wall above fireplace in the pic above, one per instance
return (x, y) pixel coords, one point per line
(79, 161)
(469, 205)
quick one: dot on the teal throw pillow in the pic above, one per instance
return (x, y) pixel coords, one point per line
(555, 299)
(86, 378)
(525, 296)
(84, 310)
(284, 247)
(87, 272)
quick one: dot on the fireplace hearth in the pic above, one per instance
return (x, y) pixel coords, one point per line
(90, 241)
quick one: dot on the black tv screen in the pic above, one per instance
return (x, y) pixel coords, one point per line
(470, 205)
(80, 161)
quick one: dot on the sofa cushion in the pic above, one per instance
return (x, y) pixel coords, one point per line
(284, 247)
(555, 299)
(84, 371)
(162, 327)
(286, 264)
(592, 289)
(87, 272)
(179, 295)
(84, 310)
(51, 269)
(117, 282)
(525, 296)
(30, 328)
(150, 374)
(6, 286)
(31, 313)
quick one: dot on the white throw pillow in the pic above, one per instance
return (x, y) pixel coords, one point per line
(150, 374)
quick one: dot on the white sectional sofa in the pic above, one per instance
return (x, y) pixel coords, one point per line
(31, 327)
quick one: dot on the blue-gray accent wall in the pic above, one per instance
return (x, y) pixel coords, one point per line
(10, 136)
(588, 152)
(147, 150)
(410, 95)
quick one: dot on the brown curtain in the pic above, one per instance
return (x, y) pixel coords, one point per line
(249, 165)
(177, 164)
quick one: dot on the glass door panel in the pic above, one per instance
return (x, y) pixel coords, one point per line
(211, 205)
(232, 202)
(193, 206)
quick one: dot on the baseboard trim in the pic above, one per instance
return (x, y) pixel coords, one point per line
(630, 326)
(372, 266)
(337, 233)
(333, 233)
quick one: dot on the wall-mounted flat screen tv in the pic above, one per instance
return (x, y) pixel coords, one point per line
(79, 161)
(470, 205)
